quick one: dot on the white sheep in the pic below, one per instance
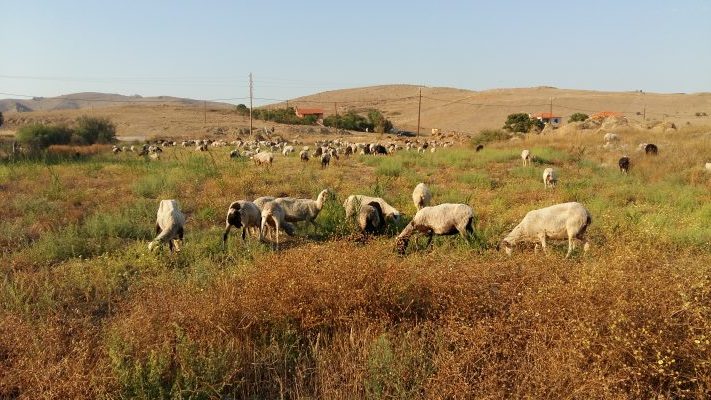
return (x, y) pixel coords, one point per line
(707, 166)
(261, 201)
(263, 159)
(442, 219)
(559, 222)
(170, 223)
(304, 155)
(296, 210)
(371, 218)
(287, 150)
(421, 196)
(273, 215)
(356, 201)
(550, 178)
(526, 157)
(242, 214)
(611, 137)
(325, 159)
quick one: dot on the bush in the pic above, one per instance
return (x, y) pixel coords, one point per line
(2, 119)
(241, 109)
(350, 120)
(379, 123)
(38, 136)
(490, 135)
(282, 116)
(521, 122)
(91, 130)
(578, 117)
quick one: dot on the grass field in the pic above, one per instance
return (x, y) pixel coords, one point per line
(87, 312)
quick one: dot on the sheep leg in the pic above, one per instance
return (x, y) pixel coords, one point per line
(571, 246)
(276, 224)
(244, 233)
(170, 245)
(226, 233)
(158, 229)
(543, 243)
(429, 239)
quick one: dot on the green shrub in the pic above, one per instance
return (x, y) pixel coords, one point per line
(490, 135)
(40, 136)
(577, 117)
(520, 122)
(281, 115)
(91, 130)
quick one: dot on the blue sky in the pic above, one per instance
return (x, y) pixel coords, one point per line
(206, 49)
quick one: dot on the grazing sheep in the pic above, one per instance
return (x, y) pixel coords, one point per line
(443, 219)
(550, 178)
(304, 155)
(371, 218)
(170, 223)
(421, 196)
(651, 149)
(379, 149)
(479, 147)
(624, 164)
(356, 201)
(202, 147)
(116, 149)
(234, 153)
(287, 150)
(242, 214)
(261, 201)
(296, 210)
(154, 156)
(526, 157)
(611, 137)
(325, 160)
(561, 221)
(707, 166)
(273, 215)
(263, 159)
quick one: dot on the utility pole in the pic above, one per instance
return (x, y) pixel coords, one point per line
(551, 111)
(335, 111)
(250, 104)
(419, 108)
(644, 113)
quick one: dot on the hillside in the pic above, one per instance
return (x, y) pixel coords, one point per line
(445, 108)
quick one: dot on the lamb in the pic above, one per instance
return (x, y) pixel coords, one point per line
(296, 210)
(526, 157)
(242, 214)
(371, 218)
(263, 159)
(273, 215)
(560, 221)
(651, 149)
(421, 196)
(624, 164)
(356, 201)
(170, 224)
(443, 219)
(550, 178)
(325, 160)
(304, 155)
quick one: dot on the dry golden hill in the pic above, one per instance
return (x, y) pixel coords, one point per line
(446, 108)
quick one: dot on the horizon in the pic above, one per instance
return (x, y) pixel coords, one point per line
(165, 50)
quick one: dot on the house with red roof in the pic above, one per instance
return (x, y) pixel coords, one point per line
(302, 112)
(547, 118)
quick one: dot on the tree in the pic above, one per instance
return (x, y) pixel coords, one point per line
(519, 122)
(241, 109)
(91, 130)
(379, 123)
(578, 117)
(2, 119)
(38, 136)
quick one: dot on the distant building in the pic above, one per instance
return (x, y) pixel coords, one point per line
(605, 114)
(302, 112)
(547, 118)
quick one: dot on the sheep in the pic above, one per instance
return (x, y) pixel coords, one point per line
(325, 159)
(287, 150)
(651, 149)
(263, 159)
(261, 201)
(154, 156)
(116, 150)
(624, 164)
(442, 219)
(234, 153)
(242, 214)
(707, 167)
(379, 149)
(611, 137)
(170, 223)
(479, 147)
(550, 178)
(304, 155)
(526, 157)
(296, 210)
(371, 218)
(560, 221)
(421, 196)
(273, 215)
(356, 201)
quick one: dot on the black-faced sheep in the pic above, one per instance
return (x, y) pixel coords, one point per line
(170, 223)
(479, 147)
(421, 196)
(443, 219)
(242, 214)
(651, 149)
(356, 201)
(559, 222)
(550, 178)
(304, 155)
(371, 218)
(624, 164)
(325, 160)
